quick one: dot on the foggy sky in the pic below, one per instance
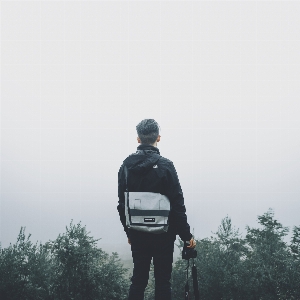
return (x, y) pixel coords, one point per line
(220, 77)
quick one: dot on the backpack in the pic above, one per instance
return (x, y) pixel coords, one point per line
(146, 211)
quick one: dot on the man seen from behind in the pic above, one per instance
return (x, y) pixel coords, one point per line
(145, 176)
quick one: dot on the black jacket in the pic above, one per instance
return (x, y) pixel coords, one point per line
(142, 177)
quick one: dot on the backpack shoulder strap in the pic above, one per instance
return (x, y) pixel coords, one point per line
(126, 177)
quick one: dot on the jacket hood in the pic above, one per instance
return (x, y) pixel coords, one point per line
(143, 160)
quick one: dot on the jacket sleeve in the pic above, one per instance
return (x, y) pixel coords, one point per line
(174, 193)
(121, 205)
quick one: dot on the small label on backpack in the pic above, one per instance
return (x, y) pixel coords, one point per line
(149, 219)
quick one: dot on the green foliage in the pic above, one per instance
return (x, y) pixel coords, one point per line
(75, 259)
(69, 268)
(295, 243)
(150, 290)
(295, 263)
(260, 266)
(24, 270)
(268, 259)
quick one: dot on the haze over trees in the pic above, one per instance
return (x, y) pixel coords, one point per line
(71, 267)
(258, 266)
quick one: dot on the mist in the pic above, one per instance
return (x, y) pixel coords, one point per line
(220, 77)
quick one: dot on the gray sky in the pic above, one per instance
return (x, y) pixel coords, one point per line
(221, 78)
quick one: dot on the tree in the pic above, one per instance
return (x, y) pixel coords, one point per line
(295, 265)
(219, 263)
(295, 243)
(268, 260)
(24, 270)
(83, 271)
(150, 289)
(69, 268)
(260, 266)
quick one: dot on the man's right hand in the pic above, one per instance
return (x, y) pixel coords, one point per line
(192, 244)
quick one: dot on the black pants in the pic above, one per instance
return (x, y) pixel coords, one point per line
(144, 246)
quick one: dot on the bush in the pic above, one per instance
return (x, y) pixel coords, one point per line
(260, 266)
(24, 270)
(69, 268)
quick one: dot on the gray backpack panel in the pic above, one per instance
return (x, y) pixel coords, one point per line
(147, 211)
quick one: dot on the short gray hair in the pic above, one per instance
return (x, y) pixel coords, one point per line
(148, 131)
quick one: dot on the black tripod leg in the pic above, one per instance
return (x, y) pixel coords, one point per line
(195, 283)
(186, 291)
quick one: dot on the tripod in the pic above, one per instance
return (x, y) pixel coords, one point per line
(195, 282)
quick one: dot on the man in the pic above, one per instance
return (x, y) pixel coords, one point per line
(149, 172)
